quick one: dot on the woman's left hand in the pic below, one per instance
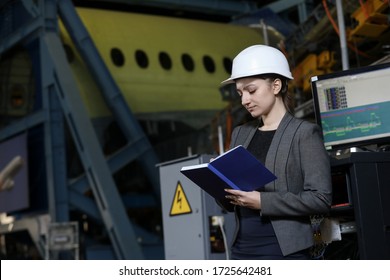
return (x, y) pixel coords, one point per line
(244, 199)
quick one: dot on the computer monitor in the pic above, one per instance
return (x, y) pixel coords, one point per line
(353, 106)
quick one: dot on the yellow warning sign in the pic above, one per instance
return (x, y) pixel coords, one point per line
(180, 204)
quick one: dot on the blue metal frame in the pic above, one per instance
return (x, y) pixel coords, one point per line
(61, 102)
(111, 92)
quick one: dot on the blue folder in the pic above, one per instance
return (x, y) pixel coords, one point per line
(236, 169)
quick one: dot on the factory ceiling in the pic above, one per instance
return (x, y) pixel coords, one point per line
(215, 10)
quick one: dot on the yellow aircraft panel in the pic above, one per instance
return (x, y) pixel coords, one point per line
(154, 89)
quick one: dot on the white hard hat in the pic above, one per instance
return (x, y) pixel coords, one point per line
(257, 60)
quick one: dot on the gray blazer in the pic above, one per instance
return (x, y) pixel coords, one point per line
(303, 186)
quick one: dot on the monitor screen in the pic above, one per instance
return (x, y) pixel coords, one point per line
(353, 106)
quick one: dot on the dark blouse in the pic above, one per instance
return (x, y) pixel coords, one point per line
(256, 238)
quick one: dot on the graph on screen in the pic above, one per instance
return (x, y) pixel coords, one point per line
(353, 106)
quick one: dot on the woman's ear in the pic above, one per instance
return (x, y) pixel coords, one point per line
(277, 86)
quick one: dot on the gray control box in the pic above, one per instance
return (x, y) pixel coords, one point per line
(194, 225)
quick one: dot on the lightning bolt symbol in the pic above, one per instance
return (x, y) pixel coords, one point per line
(178, 198)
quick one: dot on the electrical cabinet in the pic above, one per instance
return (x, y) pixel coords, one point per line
(194, 225)
(367, 196)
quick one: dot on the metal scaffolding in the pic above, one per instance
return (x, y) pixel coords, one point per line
(62, 106)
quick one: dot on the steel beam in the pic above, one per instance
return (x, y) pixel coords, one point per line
(99, 176)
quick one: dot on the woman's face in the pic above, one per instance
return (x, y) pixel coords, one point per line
(258, 96)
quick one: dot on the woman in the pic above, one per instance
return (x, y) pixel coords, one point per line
(274, 221)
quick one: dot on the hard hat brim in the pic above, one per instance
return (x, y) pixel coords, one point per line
(228, 81)
(231, 80)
